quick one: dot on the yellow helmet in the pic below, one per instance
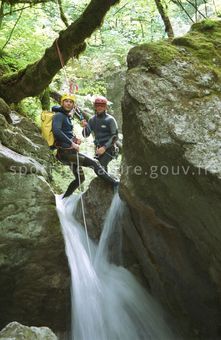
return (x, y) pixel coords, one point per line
(68, 96)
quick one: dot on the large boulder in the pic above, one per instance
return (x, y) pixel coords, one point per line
(23, 137)
(34, 274)
(171, 173)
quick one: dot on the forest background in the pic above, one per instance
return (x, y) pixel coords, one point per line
(27, 28)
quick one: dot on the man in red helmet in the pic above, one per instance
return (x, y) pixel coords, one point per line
(105, 131)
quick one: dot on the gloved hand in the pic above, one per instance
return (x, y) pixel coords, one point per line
(75, 146)
(100, 151)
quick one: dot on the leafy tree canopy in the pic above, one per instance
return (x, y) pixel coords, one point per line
(39, 23)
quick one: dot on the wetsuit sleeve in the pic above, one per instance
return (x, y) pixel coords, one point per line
(113, 133)
(59, 135)
(88, 129)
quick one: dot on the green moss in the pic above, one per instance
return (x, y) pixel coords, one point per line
(152, 55)
(162, 52)
(207, 25)
(202, 45)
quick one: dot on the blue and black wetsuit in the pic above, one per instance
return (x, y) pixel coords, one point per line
(105, 130)
(62, 128)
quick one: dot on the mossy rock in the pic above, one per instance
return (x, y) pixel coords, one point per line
(152, 55)
(5, 110)
(202, 46)
(207, 25)
(203, 43)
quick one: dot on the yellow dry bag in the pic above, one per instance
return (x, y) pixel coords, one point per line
(46, 127)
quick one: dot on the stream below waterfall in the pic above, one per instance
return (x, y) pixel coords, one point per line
(107, 301)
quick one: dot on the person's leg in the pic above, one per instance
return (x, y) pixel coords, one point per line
(70, 157)
(79, 179)
(98, 169)
(86, 161)
(105, 158)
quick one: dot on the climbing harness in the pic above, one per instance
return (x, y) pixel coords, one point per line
(70, 85)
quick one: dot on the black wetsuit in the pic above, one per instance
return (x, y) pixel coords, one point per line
(105, 130)
(62, 128)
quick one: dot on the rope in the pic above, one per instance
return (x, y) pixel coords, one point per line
(62, 63)
(78, 164)
(82, 206)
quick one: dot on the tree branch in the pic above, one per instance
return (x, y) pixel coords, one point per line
(165, 18)
(195, 6)
(55, 95)
(179, 4)
(45, 99)
(31, 2)
(120, 9)
(1, 12)
(32, 80)
(62, 15)
(10, 35)
(17, 10)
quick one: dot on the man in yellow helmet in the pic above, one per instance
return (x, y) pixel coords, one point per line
(68, 145)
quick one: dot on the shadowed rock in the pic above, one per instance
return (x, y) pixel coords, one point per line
(171, 173)
(34, 274)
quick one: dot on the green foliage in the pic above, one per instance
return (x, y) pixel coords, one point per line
(92, 87)
(33, 33)
(128, 24)
(4, 66)
(30, 107)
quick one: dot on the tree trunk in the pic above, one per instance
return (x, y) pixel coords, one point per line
(32, 80)
(45, 99)
(165, 18)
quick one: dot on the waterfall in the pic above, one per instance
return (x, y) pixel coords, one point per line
(107, 301)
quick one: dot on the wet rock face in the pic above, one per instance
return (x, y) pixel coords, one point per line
(171, 173)
(96, 205)
(34, 275)
(97, 201)
(16, 331)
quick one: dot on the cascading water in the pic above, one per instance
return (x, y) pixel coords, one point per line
(107, 301)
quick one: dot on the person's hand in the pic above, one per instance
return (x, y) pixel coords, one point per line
(77, 141)
(75, 146)
(100, 151)
(84, 123)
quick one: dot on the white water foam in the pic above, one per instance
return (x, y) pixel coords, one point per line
(107, 301)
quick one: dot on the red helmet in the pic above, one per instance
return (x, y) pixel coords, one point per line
(100, 101)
